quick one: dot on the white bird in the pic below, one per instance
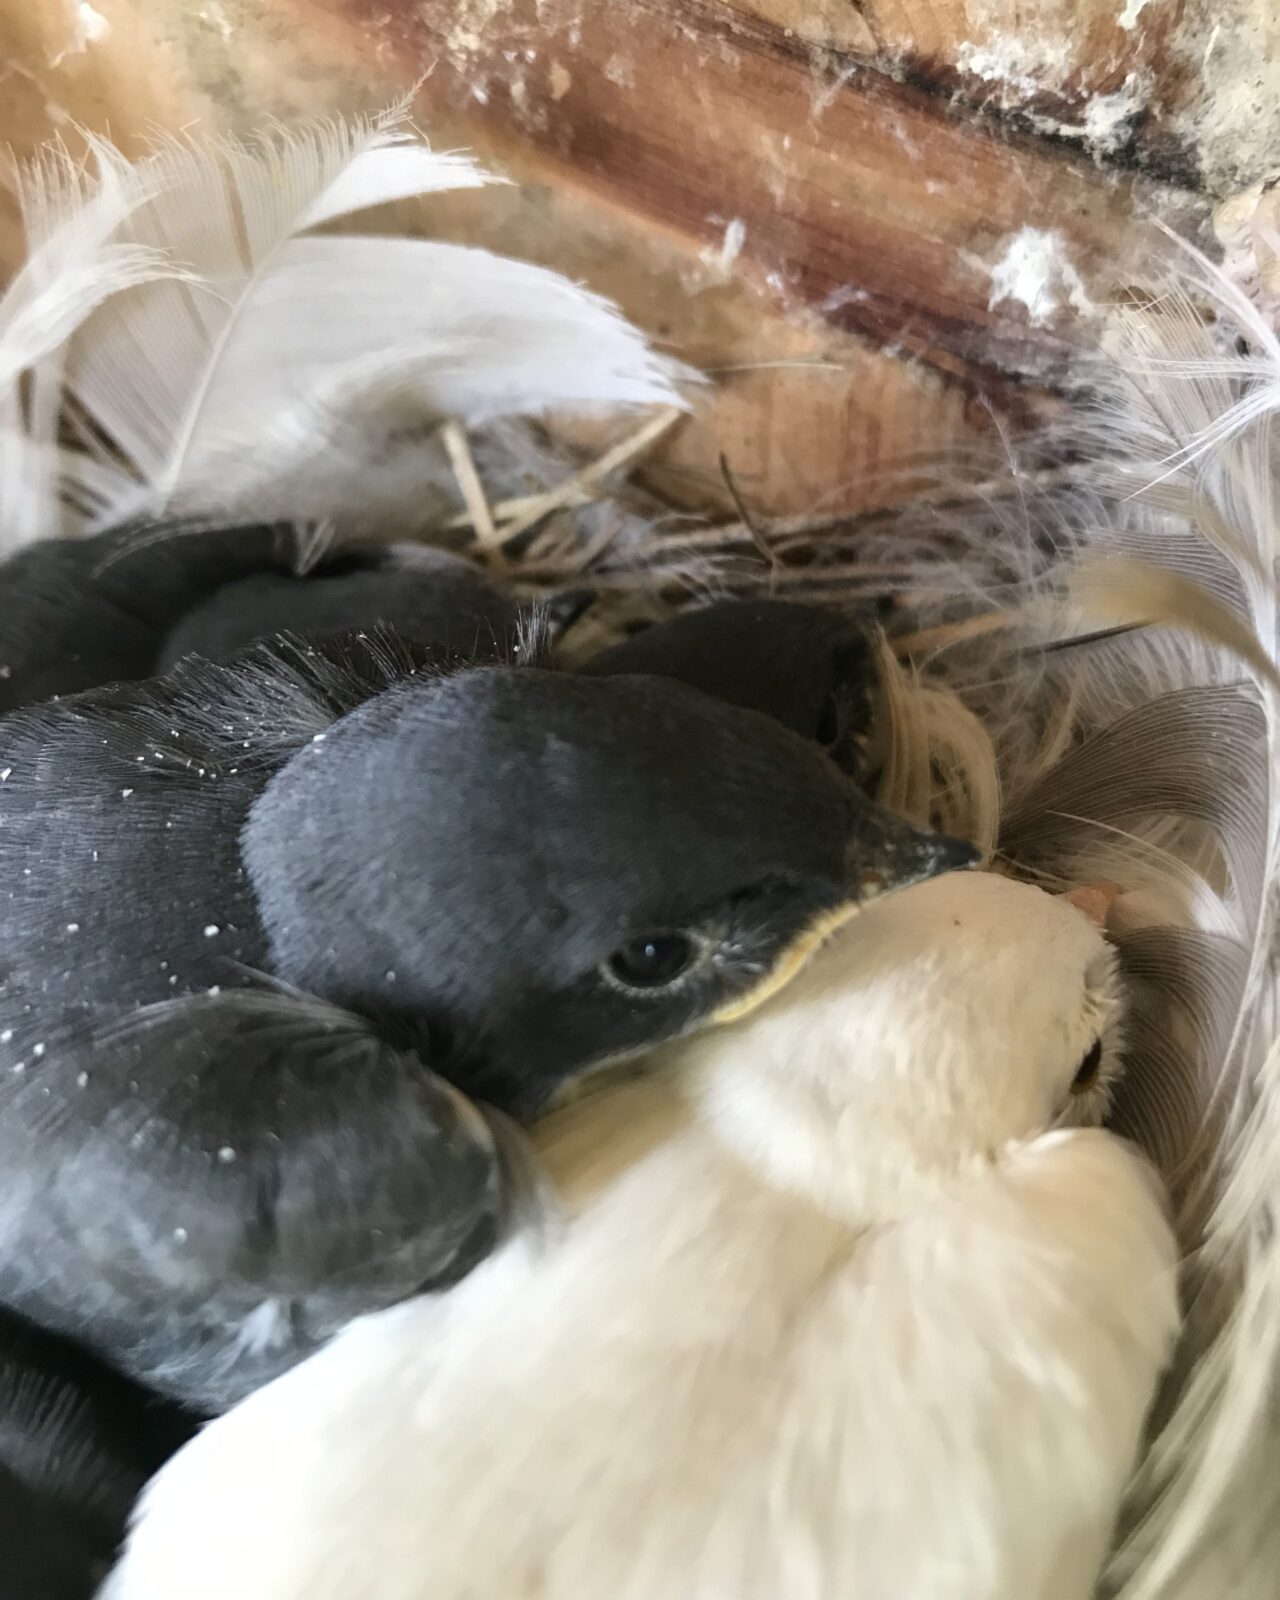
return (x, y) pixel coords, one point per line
(841, 1308)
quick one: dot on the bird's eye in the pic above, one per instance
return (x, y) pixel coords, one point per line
(653, 961)
(1087, 1072)
(828, 729)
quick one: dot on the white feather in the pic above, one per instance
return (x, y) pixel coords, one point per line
(76, 262)
(831, 1315)
(257, 367)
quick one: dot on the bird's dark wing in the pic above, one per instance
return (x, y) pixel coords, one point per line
(121, 880)
(207, 1189)
(77, 1443)
(811, 669)
(76, 613)
(428, 597)
(49, 1553)
(131, 602)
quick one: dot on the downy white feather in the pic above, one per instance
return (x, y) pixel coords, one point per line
(259, 368)
(76, 261)
(830, 1314)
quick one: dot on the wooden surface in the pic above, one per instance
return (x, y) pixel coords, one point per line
(819, 200)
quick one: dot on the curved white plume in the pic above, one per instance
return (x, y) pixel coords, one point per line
(225, 358)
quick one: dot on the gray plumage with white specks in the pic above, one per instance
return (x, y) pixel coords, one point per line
(264, 919)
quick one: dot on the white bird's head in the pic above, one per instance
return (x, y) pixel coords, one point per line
(932, 1029)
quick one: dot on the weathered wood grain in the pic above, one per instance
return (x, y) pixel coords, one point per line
(1187, 89)
(791, 187)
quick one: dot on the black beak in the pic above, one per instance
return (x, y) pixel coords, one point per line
(888, 853)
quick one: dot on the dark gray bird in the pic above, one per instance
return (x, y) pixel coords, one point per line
(131, 602)
(82, 612)
(77, 1442)
(428, 596)
(811, 669)
(263, 921)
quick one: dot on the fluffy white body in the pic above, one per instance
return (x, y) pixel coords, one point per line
(839, 1310)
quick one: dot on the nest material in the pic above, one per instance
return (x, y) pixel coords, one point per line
(1146, 757)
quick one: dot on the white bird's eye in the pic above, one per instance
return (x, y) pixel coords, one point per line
(1088, 1070)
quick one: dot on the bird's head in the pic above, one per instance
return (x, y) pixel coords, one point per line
(549, 872)
(924, 1036)
(811, 669)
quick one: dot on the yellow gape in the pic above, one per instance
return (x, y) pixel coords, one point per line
(790, 962)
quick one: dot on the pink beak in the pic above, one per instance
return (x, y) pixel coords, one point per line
(1094, 899)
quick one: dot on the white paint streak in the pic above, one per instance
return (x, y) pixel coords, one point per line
(1035, 272)
(215, 17)
(1018, 62)
(1128, 18)
(1108, 118)
(845, 295)
(1228, 122)
(619, 71)
(734, 237)
(472, 19)
(93, 25)
(825, 83)
(87, 26)
(1021, 67)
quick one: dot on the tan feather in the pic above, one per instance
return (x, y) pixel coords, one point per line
(1120, 591)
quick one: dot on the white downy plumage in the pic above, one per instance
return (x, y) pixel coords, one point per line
(831, 1314)
(77, 258)
(186, 309)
